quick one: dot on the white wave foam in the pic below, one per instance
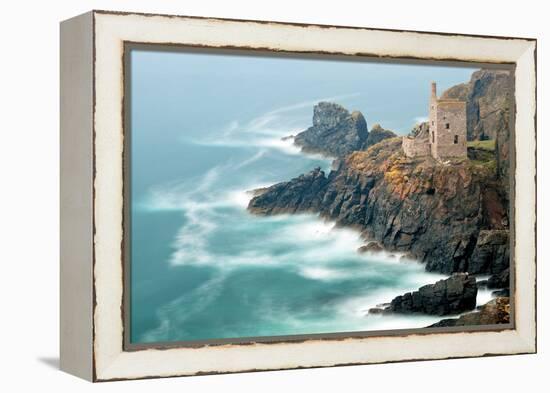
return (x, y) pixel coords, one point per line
(306, 230)
(251, 160)
(286, 146)
(484, 296)
(239, 198)
(191, 240)
(172, 320)
(312, 247)
(342, 319)
(183, 195)
(320, 273)
(267, 129)
(360, 305)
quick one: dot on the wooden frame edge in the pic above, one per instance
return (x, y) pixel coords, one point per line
(95, 376)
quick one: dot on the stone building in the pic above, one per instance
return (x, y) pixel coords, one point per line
(445, 135)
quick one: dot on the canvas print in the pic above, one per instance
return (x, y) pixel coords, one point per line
(274, 195)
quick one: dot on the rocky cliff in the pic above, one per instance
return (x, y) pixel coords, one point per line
(434, 212)
(489, 105)
(489, 100)
(453, 216)
(377, 134)
(335, 131)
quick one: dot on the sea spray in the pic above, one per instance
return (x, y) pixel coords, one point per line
(204, 268)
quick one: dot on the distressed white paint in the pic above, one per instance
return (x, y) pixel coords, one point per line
(112, 362)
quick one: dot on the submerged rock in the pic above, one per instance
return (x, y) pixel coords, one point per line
(497, 311)
(376, 310)
(453, 295)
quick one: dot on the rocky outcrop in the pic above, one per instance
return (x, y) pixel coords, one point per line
(499, 280)
(431, 211)
(489, 104)
(453, 216)
(371, 247)
(335, 131)
(302, 194)
(489, 100)
(497, 311)
(377, 134)
(492, 252)
(453, 295)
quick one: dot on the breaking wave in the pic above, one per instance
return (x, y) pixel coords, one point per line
(286, 274)
(273, 129)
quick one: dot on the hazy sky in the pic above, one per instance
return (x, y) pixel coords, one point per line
(211, 89)
(179, 97)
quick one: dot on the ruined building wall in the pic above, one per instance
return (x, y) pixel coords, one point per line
(446, 130)
(415, 147)
(450, 130)
(433, 120)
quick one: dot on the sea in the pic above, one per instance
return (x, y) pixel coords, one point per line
(206, 130)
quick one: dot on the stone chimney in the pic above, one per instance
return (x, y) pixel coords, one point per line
(434, 91)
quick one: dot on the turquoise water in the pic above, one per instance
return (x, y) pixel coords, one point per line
(206, 129)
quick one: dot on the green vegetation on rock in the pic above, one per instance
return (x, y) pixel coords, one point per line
(488, 145)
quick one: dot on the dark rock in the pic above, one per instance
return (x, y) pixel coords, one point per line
(447, 322)
(257, 191)
(303, 194)
(335, 132)
(460, 92)
(488, 97)
(336, 164)
(497, 311)
(372, 247)
(491, 253)
(453, 217)
(453, 295)
(499, 280)
(489, 104)
(432, 212)
(377, 134)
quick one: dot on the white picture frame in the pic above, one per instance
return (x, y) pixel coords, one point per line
(92, 195)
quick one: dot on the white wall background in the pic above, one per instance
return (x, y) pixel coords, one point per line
(29, 184)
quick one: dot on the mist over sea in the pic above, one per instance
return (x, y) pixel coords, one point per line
(206, 130)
